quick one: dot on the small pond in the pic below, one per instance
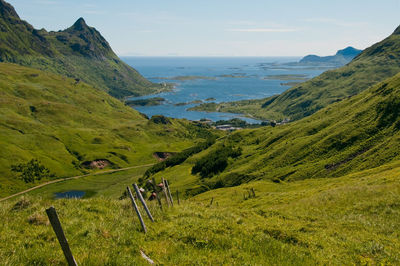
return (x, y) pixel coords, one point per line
(70, 194)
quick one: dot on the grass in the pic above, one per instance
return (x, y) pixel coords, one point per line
(108, 185)
(339, 221)
(65, 124)
(373, 65)
(359, 133)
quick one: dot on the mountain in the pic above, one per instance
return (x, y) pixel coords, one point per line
(349, 52)
(356, 134)
(341, 58)
(78, 52)
(69, 126)
(373, 65)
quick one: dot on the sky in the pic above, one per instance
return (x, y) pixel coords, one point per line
(222, 27)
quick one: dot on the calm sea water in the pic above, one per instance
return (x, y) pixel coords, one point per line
(249, 82)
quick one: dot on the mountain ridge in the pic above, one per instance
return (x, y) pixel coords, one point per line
(79, 52)
(341, 57)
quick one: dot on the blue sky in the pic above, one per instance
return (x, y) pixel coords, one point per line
(222, 27)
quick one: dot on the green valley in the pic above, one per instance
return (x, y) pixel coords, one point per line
(358, 133)
(320, 188)
(68, 124)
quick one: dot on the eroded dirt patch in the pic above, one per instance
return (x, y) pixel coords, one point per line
(97, 164)
(162, 156)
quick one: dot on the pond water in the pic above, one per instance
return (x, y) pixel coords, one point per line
(70, 194)
(217, 79)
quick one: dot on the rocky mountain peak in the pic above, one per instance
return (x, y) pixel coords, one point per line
(7, 10)
(80, 25)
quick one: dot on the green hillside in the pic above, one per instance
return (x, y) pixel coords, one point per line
(352, 135)
(373, 65)
(78, 52)
(68, 124)
(352, 220)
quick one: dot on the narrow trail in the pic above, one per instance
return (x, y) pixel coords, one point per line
(73, 177)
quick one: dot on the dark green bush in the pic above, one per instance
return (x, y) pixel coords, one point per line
(215, 161)
(31, 171)
(178, 158)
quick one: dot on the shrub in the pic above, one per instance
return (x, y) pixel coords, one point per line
(160, 119)
(178, 158)
(215, 162)
(31, 171)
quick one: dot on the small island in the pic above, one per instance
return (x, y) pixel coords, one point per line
(186, 78)
(145, 102)
(187, 103)
(287, 77)
(210, 99)
(290, 83)
(234, 75)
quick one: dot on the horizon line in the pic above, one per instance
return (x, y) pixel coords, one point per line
(210, 55)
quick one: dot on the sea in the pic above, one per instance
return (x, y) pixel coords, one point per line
(217, 79)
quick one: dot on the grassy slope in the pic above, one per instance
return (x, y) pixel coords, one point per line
(340, 221)
(79, 52)
(373, 65)
(355, 134)
(50, 117)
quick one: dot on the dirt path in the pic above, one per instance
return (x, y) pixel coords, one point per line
(73, 177)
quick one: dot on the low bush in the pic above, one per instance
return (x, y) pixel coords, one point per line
(215, 161)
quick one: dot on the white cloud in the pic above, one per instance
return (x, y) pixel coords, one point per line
(263, 30)
(336, 22)
(47, 2)
(94, 12)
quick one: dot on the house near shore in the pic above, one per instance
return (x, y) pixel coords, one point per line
(227, 127)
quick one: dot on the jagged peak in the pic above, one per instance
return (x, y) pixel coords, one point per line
(7, 10)
(79, 25)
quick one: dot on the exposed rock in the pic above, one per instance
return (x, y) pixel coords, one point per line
(162, 156)
(97, 164)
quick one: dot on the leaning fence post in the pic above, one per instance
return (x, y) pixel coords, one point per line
(140, 197)
(177, 197)
(155, 191)
(254, 193)
(165, 192)
(169, 191)
(212, 200)
(137, 210)
(55, 223)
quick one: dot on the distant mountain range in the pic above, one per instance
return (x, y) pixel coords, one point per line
(79, 52)
(342, 57)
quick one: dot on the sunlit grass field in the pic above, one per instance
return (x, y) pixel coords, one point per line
(63, 124)
(348, 220)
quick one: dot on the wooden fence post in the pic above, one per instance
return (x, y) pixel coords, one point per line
(55, 223)
(177, 197)
(169, 191)
(140, 197)
(254, 193)
(212, 200)
(137, 210)
(165, 192)
(155, 191)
